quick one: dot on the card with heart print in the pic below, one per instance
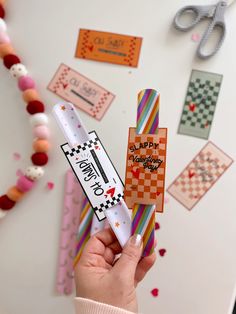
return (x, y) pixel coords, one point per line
(108, 47)
(200, 175)
(145, 169)
(81, 91)
(200, 104)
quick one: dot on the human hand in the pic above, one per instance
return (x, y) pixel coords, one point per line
(102, 278)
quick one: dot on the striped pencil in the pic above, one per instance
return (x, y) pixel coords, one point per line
(143, 216)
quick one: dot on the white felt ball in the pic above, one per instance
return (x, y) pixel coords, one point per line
(3, 26)
(38, 119)
(34, 173)
(2, 213)
(18, 70)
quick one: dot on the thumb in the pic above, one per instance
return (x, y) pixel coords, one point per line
(130, 256)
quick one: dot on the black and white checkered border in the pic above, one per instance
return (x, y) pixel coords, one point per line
(108, 204)
(84, 146)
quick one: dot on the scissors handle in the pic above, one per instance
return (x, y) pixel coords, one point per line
(217, 23)
(199, 12)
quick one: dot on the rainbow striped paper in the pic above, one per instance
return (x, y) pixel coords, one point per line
(143, 216)
(85, 224)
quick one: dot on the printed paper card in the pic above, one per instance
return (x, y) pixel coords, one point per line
(81, 91)
(200, 104)
(108, 47)
(96, 174)
(200, 175)
(145, 169)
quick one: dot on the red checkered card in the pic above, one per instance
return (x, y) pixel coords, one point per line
(200, 175)
(145, 169)
(80, 91)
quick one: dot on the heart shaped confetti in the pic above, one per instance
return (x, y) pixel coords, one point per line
(195, 37)
(155, 292)
(19, 173)
(192, 107)
(162, 252)
(16, 156)
(50, 185)
(191, 174)
(157, 226)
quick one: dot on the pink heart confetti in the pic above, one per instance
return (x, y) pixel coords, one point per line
(195, 37)
(50, 185)
(157, 226)
(155, 292)
(162, 252)
(19, 173)
(166, 200)
(16, 156)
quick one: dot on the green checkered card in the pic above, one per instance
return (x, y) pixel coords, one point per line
(200, 103)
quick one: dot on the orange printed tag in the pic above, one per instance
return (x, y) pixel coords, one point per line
(108, 47)
(145, 169)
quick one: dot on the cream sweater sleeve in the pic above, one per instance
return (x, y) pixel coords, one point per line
(86, 306)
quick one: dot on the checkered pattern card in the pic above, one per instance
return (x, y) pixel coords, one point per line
(200, 103)
(108, 47)
(200, 175)
(81, 91)
(145, 169)
(96, 174)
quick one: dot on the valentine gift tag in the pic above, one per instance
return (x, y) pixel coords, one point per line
(145, 169)
(81, 91)
(108, 47)
(200, 104)
(200, 175)
(96, 174)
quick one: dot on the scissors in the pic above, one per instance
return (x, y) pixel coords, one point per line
(215, 13)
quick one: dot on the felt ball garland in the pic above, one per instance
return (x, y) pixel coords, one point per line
(38, 120)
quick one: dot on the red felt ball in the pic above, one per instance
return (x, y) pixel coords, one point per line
(2, 12)
(10, 60)
(39, 159)
(35, 107)
(6, 203)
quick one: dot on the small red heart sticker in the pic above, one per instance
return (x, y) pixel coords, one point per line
(192, 107)
(136, 173)
(191, 174)
(155, 292)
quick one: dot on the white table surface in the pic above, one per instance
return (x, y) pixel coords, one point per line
(198, 273)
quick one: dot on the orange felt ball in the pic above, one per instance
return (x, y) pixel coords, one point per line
(6, 49)
(41, 146)
(30, 95)
(14, 194)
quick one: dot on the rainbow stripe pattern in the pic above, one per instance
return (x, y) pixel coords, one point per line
(143, 216)
(84, 228)
(148, 111)
(143, 222)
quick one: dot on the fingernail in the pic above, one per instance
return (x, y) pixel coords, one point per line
(136, 240)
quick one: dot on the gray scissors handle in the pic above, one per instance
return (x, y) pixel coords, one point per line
(217, 22)
(200, 12)
(216, 13)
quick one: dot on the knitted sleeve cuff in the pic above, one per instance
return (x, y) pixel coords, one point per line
(87, 306)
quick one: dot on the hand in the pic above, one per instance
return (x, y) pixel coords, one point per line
(102, 278)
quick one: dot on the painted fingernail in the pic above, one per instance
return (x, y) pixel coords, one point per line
(136, 240)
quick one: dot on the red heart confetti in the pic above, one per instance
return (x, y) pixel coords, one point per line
(97, 147)
(162, 252)
(111, 191)
(157, 226)
(191, 174)
(16, 156)
(50, 185)
(155, 292)
(64, 85)
(90, 48)
(136, 173)
(158, 193)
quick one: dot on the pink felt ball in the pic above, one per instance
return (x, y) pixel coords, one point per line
(26, 82)
(24, 184)
(4, 38)
(41, 131)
